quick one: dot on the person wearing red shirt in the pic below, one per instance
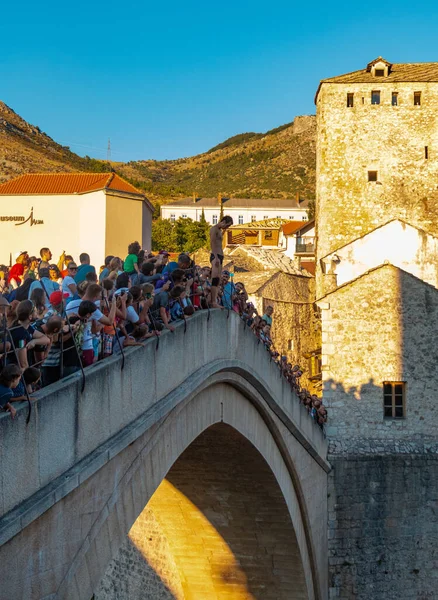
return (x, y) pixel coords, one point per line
(17, 271)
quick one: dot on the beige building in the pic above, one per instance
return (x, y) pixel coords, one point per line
(242, 210)
(97, 213)
(377, 250)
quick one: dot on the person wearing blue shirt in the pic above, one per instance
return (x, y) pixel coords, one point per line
(46, 284)
(84, 268)
(228, 290)
(183, 263)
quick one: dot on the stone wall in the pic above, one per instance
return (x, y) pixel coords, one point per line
(380, 328)
(383, 526)
(383, 138)
(295, 324)
(144, 567)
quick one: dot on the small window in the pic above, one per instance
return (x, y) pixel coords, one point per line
(183, 216)
(375, 97)
(240, 219)
(304, 218)
(253, 218)
(372, 175)
(214, 219)
(426, 152)
(379, 72)
(266, 216)
(268, 235)
(363, 100)
(172, 218)
(350, 100)
(394, 399)
(278, 217)
(394, 99)
(417, 98)
(290, 344)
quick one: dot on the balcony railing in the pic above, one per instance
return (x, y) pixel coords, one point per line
(305, 248)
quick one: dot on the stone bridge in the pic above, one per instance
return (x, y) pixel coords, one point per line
(197, 449)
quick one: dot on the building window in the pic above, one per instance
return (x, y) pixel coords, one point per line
(183, 216)
(375, 97)
(290, 344)
(253, 218)
(394, 399)
(426, 152)
(172, 218)
(268, 235)
(214, 219)
(304, 218)
(417, 98)
(240, 219)
(379, 72)
(372, 175)
(266, 216)
(350, 100)
(394, 99)
(278, 217)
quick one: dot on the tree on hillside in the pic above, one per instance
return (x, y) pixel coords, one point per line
(164, 236)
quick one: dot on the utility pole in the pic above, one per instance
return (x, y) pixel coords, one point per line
(108, 152)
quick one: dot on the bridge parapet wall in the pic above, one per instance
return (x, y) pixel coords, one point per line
(67, 426)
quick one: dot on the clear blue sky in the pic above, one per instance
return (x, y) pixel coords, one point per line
(172, 79)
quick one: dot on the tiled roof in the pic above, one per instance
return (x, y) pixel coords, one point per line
(264, 224)
(280, 203)
(291, 227)
(309, 266)
(254, 280)
(399, 72)
(66, 183)
(270, 259)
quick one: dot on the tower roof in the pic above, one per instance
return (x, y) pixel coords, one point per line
(397, 73)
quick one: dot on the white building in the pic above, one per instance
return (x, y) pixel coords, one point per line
(298, 239)
(97, 213)
(396, 242)
(242, 210)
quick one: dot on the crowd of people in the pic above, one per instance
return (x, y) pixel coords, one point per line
(57, 319)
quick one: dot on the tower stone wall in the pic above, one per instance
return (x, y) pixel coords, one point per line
(377, 160)
(390, 140)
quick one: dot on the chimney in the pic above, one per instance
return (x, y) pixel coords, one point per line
(298, 197)
(194, 198)
(219, 198)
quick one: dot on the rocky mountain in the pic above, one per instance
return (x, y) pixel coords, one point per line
(278, 163)
(24, 148)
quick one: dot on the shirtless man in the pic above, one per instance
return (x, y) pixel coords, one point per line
(216, 256)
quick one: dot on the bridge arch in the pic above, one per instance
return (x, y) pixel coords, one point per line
(226, 398)
(216, 527)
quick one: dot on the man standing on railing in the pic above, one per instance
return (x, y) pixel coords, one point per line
(216, 256)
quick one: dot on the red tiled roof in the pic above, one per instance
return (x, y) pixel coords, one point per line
(66, 183)
(292, 227)
(309, 266)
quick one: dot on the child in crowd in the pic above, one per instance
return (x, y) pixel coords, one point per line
(9, 379)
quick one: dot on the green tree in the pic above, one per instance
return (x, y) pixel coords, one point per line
(164, 236)
(191, 235)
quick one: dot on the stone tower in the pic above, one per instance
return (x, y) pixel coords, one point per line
(377, 151)
(377, 289)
